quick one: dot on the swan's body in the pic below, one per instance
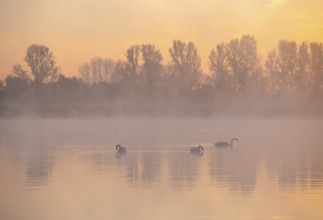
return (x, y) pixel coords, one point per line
(197, 150)
(225, 143)
(120, 150)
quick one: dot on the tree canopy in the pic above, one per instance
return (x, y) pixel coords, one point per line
(238, 79)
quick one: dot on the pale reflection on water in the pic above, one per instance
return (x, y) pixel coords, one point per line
(68, 169)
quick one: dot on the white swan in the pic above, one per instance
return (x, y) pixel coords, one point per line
(225, 143)
(197, 150)
(120, 150)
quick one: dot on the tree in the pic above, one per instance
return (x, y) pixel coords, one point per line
(218, 65)
(121, 74)
(66, 90)
(243, 60)
(287, 66)
(288, 63)
(132, 63)
(15, 86)
(235, 63)
(316, 55)
(85, 73)
(18, 81)
(127, 72)
(185, 64)
(19, 72)
(301, 78)
(151, 67)
(41, 63)
(97, 70)
(272, 66)
(2, 88)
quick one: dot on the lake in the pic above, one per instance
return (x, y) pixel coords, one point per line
(68, 169)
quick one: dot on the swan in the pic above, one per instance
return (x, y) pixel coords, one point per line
(120, 150)
(225, 143)
(197, 150)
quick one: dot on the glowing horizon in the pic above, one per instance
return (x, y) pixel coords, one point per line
(76, 31)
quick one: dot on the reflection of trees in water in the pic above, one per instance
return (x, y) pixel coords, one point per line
(314, 152)
(143, 168)
(292, 166)
(296, 164)
(236, 170)
(316, 169)
(184, 168)
(39, 167)
(101, 161)
(284, 165)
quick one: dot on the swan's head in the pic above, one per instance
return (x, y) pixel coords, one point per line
(118, 146)
(200, 147)
(234, 139)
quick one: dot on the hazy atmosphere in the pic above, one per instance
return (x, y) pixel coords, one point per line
(78, 30)
(151, 109)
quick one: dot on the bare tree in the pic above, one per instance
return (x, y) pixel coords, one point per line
(234, 63)
(287, 67)
(218, 65)
(133, 57)
(42, 64)
(97, 70)
(302, 73)
(151, 67)
(243, 60)
(288, 63)
(121, 73)
(185, 64)
(316, 55)
(272, 65)
(19, 72)
(85, 73)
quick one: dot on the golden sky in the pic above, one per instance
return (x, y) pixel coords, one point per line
(77, 30)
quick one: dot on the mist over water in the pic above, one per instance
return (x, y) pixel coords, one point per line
(288, 82)
(136, 138)
(68, 169)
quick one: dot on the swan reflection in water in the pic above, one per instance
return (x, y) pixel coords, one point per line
(197, 150)
(120, 151)
(223, 144)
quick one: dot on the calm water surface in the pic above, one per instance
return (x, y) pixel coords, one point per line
(68, 169)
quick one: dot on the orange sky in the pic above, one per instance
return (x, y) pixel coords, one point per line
(77, 30)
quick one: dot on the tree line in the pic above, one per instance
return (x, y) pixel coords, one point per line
(289, 79)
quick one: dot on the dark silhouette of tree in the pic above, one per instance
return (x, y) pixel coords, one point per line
(15, 87)
(218, 64)
(295, 69)
(97, 70)
(42, 64)
(288, 62)
(282, 66)
(1, 86)
(141, 84)
(19, 72)
(127, 72)
(301, 77)
(316, 55)
(121, 73)
(85, 73)
(234, 63)
(2, 95)
(272, 65)
(66, 89)
(243, 60)
(185, 65)
(151, 68)
(132, 63)
(142, 67)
